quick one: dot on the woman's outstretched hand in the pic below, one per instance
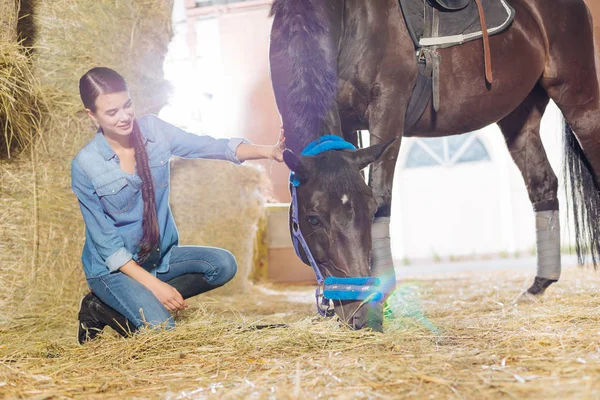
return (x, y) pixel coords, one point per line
(248, 151)
(277, 150)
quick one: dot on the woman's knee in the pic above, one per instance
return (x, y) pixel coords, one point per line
(227, 267)
(218, 265)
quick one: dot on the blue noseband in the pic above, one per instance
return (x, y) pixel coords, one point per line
(360, 288)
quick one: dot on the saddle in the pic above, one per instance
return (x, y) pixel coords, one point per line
(451, 5)
(445, 23)
(434, 24)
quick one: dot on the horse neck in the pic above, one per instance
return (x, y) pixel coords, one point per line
(304, 104)
(297, 143)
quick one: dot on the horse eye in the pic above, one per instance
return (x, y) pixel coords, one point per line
(314, 221)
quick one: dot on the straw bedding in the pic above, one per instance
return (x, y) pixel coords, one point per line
(450, 337)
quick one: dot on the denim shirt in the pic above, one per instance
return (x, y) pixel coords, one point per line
(111, 199)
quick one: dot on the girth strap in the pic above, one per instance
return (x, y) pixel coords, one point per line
(486, 43)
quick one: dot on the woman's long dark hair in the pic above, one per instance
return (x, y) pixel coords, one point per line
(101, 80)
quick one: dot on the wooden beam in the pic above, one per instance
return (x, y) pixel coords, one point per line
(220, 9)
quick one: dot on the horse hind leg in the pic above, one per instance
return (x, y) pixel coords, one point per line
(521, 130)
(572, 82)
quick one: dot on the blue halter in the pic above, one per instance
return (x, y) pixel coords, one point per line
(360, 288)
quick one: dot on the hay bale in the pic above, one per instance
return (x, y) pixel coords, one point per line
(9, 15)
(217, 203)
(259, 270)
(45, 242)
(16, 239)
(20, 102)
(130, 36)
(20, 105)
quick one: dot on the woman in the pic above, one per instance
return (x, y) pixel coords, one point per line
(136, 271)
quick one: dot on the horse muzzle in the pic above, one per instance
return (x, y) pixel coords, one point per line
(360, 315)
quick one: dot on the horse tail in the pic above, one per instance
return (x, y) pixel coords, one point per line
(303, 65)
(584, 201)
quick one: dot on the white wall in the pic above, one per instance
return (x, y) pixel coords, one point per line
(470, 209)
(226, 90)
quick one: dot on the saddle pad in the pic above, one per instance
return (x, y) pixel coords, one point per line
(455, 27)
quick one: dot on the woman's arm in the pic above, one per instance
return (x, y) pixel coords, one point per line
(256, 152)
(101, 231)
(189, 145)
(247, 151)
(165, 293)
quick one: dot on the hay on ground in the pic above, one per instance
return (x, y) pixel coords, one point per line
(451, 336)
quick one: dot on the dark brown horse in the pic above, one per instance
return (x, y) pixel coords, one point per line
(339, 66)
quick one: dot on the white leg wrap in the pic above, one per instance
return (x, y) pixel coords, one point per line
(382, 264)
(548, 244)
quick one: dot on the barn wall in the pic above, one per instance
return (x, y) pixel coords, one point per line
(252, 110)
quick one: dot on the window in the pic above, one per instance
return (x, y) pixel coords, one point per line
(446, 151)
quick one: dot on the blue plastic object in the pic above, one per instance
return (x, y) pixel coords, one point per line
(321, 145)
(352, 289)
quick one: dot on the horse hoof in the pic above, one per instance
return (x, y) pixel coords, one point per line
(527, 298)
(535, 292)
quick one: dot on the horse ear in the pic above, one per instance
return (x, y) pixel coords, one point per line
(364, 157)
(291, 160)
(295, 164)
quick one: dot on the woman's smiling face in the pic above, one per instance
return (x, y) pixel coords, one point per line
(114, 113)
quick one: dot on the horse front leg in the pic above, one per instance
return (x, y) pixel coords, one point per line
(521, 130)
(385, 124)
(381, 180)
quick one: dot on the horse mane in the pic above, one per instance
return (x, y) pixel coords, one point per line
(300, 40)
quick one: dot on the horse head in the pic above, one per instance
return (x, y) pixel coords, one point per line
(335, 213)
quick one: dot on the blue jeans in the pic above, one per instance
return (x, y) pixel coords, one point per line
(139, 305)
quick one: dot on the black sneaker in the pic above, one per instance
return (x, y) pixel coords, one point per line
(89, 326)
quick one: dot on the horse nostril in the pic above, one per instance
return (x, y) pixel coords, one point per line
(357, 323)
(359, 320)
